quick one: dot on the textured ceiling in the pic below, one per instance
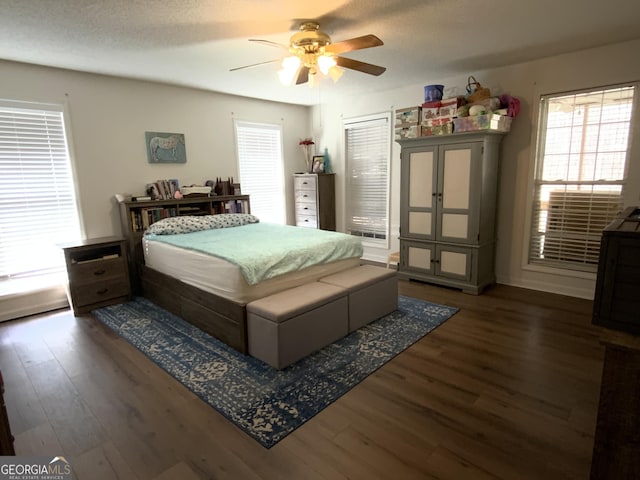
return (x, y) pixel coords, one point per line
(195, 43)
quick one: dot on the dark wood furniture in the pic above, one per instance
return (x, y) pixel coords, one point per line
(218, 316)
(6, 439)
(98, 273)
(617, 439)
(315, 200)
(617, 298)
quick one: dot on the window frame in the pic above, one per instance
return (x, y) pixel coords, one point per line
(537, 136)
(385, 116)
(53, 275)
(239, 122)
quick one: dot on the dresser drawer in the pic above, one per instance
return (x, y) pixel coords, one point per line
(97, 292)
(80, 273)
(307, 221)
(304, 208)
(305, 196)
(306, 183)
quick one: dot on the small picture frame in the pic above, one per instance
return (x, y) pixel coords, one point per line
(318, 164)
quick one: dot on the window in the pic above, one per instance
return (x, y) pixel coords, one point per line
(368, 154)
(261, 169)
(580, 172)
(37, 198)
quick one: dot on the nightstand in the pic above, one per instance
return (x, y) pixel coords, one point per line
(98, 273)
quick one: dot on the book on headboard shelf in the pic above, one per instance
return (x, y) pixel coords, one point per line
(162, 189)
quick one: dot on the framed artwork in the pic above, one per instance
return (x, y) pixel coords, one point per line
(318, 164)
(165, 147)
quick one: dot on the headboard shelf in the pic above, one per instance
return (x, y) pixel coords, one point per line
(137, 216)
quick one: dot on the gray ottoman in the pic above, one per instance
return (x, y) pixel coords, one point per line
(287, 326)
(373, 292)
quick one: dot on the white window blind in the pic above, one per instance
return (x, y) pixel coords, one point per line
(260, 163)
(37, 198)
(580, 173)
(368, 153)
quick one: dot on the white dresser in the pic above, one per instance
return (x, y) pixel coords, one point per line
(315, 200)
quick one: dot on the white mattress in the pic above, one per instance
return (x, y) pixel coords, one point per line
(217, 276)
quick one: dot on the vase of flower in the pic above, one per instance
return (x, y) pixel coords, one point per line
(307, 146)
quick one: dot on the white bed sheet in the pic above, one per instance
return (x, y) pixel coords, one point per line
(217, 276)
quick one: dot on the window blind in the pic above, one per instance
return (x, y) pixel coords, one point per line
(580, 173)
(260, 164)
(37, 198)
(367, 146)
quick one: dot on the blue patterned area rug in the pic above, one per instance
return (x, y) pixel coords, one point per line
(266, 403)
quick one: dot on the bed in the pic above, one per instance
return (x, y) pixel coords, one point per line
(207, 268)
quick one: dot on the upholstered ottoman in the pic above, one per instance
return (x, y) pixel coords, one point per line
(287, 326)
(373, 292)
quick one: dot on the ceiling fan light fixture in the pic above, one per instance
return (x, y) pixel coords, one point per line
(335, 73)
(311, 52)
(325, 63)
(313, 81)
(290, 66)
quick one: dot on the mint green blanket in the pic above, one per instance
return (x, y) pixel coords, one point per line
(264, 250)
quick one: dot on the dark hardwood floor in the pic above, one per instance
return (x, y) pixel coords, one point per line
(508, 388)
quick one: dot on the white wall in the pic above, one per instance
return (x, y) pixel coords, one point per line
(108, 117)
(590, 68)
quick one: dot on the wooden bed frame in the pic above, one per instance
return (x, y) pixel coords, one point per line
(218, 316)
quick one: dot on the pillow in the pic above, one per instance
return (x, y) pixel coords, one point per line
(191, 223)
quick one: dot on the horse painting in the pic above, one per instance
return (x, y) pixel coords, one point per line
(165, 149)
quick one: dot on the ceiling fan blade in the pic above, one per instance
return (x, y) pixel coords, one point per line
(358, 43)
(303, 75)
(359, 66)
(253, 65)
(269, 43)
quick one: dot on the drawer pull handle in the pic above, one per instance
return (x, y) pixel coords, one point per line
(99, 272)
(103, 291)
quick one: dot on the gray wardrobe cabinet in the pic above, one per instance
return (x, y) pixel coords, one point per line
(448, 209)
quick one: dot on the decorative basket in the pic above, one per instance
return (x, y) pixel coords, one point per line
(475, 91)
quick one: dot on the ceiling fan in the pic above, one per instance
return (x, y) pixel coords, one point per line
(311, 52)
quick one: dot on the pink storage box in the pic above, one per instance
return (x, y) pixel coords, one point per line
(449, 107)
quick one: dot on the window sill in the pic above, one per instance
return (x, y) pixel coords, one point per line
(559, 271)
(18, 286)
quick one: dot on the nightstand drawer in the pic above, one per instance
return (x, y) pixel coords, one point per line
(98, 273)
(100, 291)
(81, 273)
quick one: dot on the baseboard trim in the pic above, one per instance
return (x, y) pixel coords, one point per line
(20, 305)
(560, 289)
